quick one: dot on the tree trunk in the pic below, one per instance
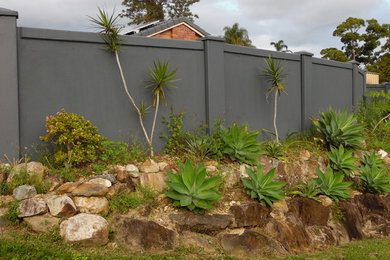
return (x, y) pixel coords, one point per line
(154, 123)
(275, 112)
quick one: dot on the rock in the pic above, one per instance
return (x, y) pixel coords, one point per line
(266, 162)
(24, 192)
(281, 206)
(211, 169)
(213, 163)
(243, 173)
(141, 234)
(149, 166)
(67, 187)
(321, 236)
(154, 180)
(32, 207)
(386, 160)
(304, 155)
(232, 177)
(162, 166)
(61, 206)
(309, 211)
(120, 173)
(90, 190)
(3, 222)
(85, 228)
(132, 170)
(382, 153)
(251, 214)
(6, 199)
(244, 242)
(325, 200)
(100, 181)
(108, 176)
(35, 170)
(42, 224)
(207, 223)
(193, 240)
(92, 205)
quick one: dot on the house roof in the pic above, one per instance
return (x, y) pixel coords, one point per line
(152, 28)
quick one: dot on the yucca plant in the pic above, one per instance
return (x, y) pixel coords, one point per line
(274, 74)
(342, 161)
(191, 189)
(372, 160)
(375, 180)
(307, 189)
(332, 184)
(337, 129)
(240, 144)
(262, 187)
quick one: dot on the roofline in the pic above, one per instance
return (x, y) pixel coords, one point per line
(176, 25)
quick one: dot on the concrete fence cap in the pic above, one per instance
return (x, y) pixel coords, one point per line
(7, 12)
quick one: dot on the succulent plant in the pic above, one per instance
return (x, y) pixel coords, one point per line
(240, 144)
(307, 190)
(372, 160)
(262, 187)
(332, 184)
(375, 180)
(338, 129)
(192, 189)
(342, 161)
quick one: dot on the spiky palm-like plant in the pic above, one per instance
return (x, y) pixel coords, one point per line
(274, 74)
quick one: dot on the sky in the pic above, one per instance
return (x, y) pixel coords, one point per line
(304, 25)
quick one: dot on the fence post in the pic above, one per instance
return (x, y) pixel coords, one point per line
(9, 106)
(355, 75)
(215, 78)
(306, 88)
(387, 86)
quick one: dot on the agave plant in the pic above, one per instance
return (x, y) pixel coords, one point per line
(342, 161)
(240, 144)
(372, 160)
(202, 146)
(332, 184)
(375, 180)
(273, 149)
(262, 187)
(307, 190)
(337, 129)
(191, 189)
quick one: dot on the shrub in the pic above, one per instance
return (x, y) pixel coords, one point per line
(332, 184)
(273, 149)
(240, 144)
(372, 160)
(342, 161)
(191, 189)
(76, 141)
(175, 140)
(121, 152)
(262, 187)
(307, 190)
(337, 129)
(375, 180)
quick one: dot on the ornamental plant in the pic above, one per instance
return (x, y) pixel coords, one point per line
(262, 187)
(240, 144)
(375, 180)
(342, 160)
(191, 188)
(337, 129)
(75, 140)
(372, 160)
(332, 184)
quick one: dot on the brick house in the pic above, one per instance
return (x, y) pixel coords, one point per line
(180, 28)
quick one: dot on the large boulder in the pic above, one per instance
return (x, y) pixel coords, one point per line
(149, 166)
(32, 207)
(197, 241)
(90, 190)
(251, 214)
(154, 180)
(309, 211)
(107, 176)
(24, 192)
(141, 234)
(207, 223)
(92, 205)
(100, 181)
(85, 228)
(35, 171)
(67, 187)
(248, 242)
(42, 223)
(61, 206)
(132, 170)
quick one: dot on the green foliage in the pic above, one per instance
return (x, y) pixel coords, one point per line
(122, 202)
(375, 180)
(237, 36)
(176, 139)
(262, 187)
(191, 188)
(372, 160)
(280, 46)
(65, 173)
(76, 141)
(337, 129)
(240, 144)
(121, 152)
(332, 184)
(23, 178)
(148, 11)
(334, 54)
(12, 214)
(342, 160)
(273, 149)
(160, 78)
(202, 146)
(382, 67)
(307, 190)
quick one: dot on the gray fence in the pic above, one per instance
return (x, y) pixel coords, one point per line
(42, 71)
